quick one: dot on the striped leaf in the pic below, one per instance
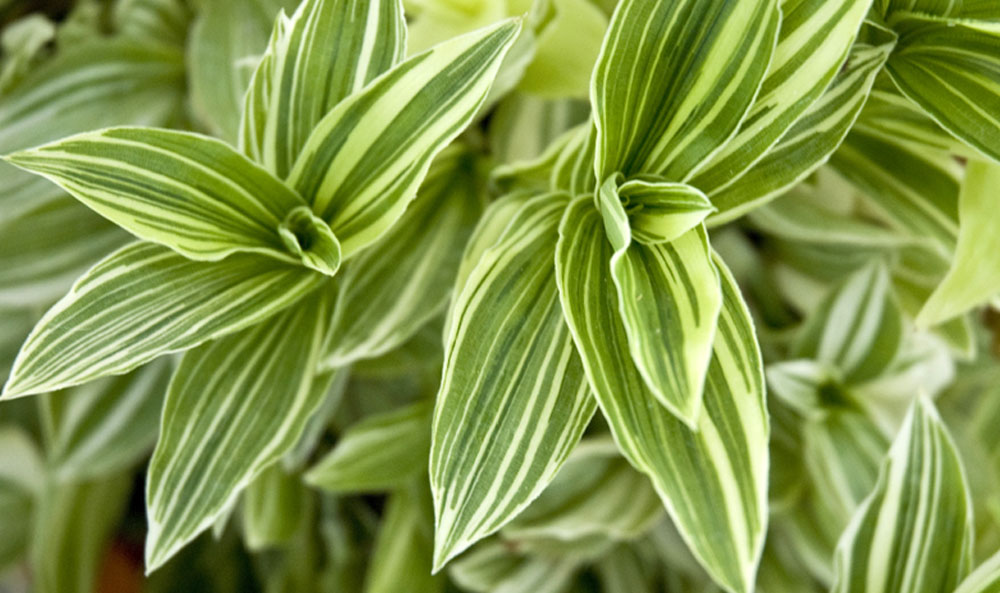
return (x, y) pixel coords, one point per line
(390, 290)
(494, 567)
(325, 52)
(226, 36)
(513, 400)
(669, 299)
(99, 83)
(189, 192)
(49, 246)
(857, 329)
(677, 107)
(382, 452)
(817, 133)
(143, 301)
(573, 170)
(524, 126)
(106, 426)
(813, 43)
(974, 276)
(913, 533)
(661, 211)
(364, 161)
(234, 406)
(712, 481)
(951, 68)
(985, 579)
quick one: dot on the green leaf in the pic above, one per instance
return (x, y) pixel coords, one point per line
(21, 481)
(106, 426)
(403, 545)
(393, 288)
(381, 452)
(951, 68)
(49, 246)
(813, 43)
(813, 138)
(524, 126)
(661, 211)
(712, 481)
(191, 193)
(973, 9)
(327, 51)
(234, 406)
(153, 21)
(985, 579)
(143, 301)
(98, 84)
(364, 161)
(494, 568)
(974, 275)
(573, 169)
(913, 533)
(677, 107)
(565, 51)
(513, 400)
(274, 509)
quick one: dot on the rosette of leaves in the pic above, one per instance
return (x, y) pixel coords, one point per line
(238, 245)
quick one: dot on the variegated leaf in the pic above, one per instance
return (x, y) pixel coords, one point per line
(513, 400)
(325, 52)
(234, 406)
(144, 300)
(913, 533)
(364, 161)
(712, 481)
(677, 107)
(985, 579)
(191, 193)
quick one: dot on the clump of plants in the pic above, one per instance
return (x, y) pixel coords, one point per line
(500, 296)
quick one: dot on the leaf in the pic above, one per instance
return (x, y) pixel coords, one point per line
(573, 169)
(973, 9)
(566, 49)
(191, 193)
(74, 523)
(223, 38)
(951, 68)
(494, 568)
(678, 107)
(813, 43)
(381, 452)
(661, 211)
(49, 246)
(812, 139)
(153, 21)
(913, 532)
(985, 579)
(713, 481)
(21, 482)
(274, 509)
(234, 406)
(99, 83)
(525, 127)
(857, 329)
(974, 275)
(513, 400)
(360, 182)
(393, 288)
(403, 545)
(143, 301)
(301, 77)
(105, 427)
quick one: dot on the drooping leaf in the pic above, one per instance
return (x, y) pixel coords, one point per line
(234, 406)
(677, 107)
(364, 161)
(913, 533)
(301, 77)
(513, 400)
(974, 275)
(712, 481)
(144, 300)
(191, 193)
(381, 452)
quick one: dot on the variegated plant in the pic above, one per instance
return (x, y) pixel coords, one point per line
(543, 296)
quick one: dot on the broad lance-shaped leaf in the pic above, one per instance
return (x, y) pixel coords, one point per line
(814, 137)
(951, 68)
(234, 406)
(513, 400)
(677, 107)
(974, 276)
(985, 579)
(913, 534)
(326, 51)
(813, 42)
(364, 161)
(144, 300)
(713, 481)
(381, 452)
(393, 288)
(191, 193)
